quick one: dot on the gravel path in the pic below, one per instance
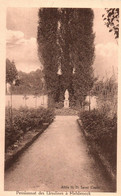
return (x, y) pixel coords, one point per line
(57, 161)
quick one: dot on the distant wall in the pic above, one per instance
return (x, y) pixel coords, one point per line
(31, 102)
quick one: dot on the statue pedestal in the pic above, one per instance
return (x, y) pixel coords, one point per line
(66, 103)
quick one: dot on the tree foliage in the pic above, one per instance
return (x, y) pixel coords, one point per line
(30, 83)
(106, 93)
(111, 18)
(66, 41)
(48, 47)
(11, 72)
(82, 52)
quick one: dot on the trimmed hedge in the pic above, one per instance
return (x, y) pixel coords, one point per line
(23, 120)
(103, 131)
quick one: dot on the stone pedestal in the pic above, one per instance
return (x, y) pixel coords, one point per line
(66, 103)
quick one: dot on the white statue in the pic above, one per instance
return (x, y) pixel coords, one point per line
(66, 94)
(66, 101)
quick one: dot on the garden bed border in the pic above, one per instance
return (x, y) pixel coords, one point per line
(10, 160)
(97, 155)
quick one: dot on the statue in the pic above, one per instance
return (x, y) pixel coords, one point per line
(66, 94)
(66, 101)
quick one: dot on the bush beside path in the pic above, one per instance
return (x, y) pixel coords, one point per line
(101, 132)
(25, 127)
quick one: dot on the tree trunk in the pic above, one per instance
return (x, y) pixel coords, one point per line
(6, 89)
(11, 111)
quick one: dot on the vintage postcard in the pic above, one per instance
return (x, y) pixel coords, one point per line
(60, 97)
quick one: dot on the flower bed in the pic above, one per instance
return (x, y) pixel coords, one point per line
(23, 120)
(102, 131)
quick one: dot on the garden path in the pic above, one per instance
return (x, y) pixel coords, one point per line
(58, 158)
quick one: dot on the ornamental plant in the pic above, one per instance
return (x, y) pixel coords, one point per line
(24, 120)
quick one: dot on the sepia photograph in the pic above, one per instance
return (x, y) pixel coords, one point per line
(61, 100)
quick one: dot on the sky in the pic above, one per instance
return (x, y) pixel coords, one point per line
(21, 41)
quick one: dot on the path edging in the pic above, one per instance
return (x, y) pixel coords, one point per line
(96, 153)
(10, 160)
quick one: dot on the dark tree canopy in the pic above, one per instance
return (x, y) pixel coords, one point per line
(48, 47)
(66, 41)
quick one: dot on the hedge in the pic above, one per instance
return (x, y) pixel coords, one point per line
(103, 131)
(23, 120)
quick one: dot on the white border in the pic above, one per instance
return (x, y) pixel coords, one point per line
(50, 3)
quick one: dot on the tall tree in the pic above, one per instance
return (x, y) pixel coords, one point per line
(11, 77)
(77, 51)
(11, 71)
(66, 40)
(64, 35)
(83, 52)
(48, 48)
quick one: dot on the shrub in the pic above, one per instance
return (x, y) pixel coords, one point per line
(103, 131)
(92, 120)
(59, 105)
(106, 93)
(23, 120)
